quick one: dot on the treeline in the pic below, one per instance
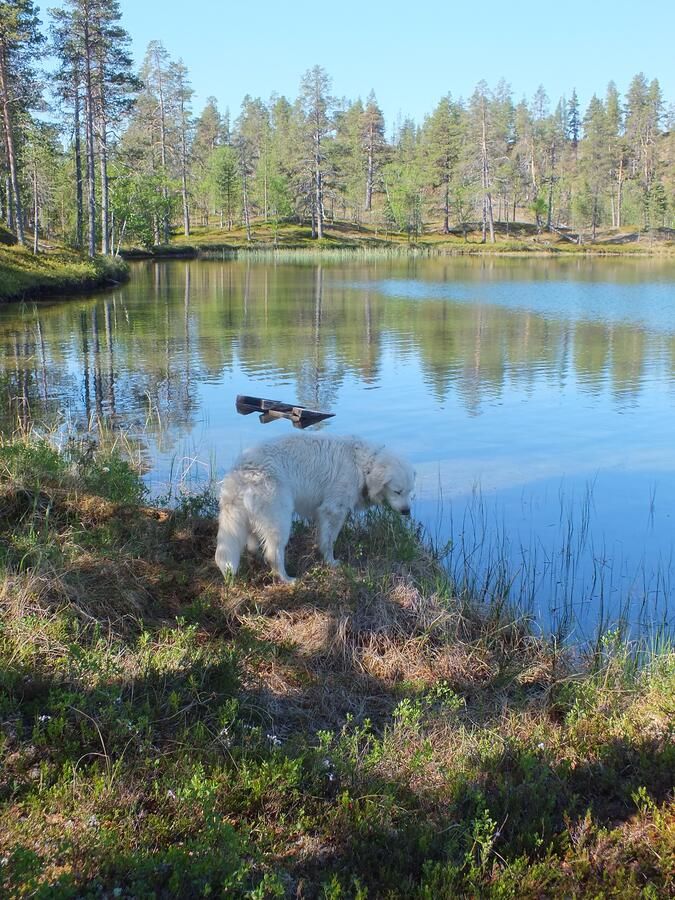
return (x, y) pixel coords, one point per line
(97, 154)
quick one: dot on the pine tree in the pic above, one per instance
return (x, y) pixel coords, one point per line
(403, 178)
(68, 89)
(222, 178)
(317, 105)
(20, 40)
(151, 125)
(616, 148)
(573, 120)
(97, 56)
(483, 138)
(349, 160)
(594, 163)
(181, 97)
(441, 142)
(374, 143)
(207, 136)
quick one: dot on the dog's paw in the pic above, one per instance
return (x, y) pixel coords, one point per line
(285, 579)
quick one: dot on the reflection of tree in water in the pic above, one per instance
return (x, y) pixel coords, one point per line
(30, 383)
(139, 355)
(89, 361)
(629, 353)
(320, 375)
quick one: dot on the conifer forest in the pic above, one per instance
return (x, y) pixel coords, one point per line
(99, 152)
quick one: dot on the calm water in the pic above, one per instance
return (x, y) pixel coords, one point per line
(534, 397)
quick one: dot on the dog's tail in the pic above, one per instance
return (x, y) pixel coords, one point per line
(233, 530)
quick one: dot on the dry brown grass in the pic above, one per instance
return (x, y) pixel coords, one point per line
(362, 722)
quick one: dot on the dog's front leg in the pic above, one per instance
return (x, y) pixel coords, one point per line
(329, 521)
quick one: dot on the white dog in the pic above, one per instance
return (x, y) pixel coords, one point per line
(320, 478)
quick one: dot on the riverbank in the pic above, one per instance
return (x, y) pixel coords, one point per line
(362, 733)
(521, 239)
(24, 276)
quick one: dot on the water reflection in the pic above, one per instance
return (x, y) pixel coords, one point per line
(509, 372)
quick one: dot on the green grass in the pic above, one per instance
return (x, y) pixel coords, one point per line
(25, 276)
(363, 733)
(291, 241)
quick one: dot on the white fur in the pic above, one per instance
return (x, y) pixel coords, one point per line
(320, 478)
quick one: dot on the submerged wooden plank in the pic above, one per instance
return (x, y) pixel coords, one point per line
(276, 409)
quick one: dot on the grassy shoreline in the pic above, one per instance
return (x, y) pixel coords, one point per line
(363, 733)
(24, 276)
(521, 240)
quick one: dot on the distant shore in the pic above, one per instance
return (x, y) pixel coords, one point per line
(25, 276)
(515, 240)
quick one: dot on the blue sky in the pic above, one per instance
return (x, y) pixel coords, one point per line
(409, 54)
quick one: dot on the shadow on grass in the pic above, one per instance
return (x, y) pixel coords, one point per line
(183, 748)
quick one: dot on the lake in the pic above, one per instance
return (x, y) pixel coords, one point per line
(534, 397)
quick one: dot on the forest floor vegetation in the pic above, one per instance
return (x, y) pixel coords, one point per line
(362, 733)
(519, 238)
(25, 276)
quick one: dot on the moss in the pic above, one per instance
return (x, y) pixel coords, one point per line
(24, 276)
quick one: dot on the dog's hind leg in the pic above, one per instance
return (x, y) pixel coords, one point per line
(329, 520)
(233, 531)
(274, 524)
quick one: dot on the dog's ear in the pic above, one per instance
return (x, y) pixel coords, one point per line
(376, 480)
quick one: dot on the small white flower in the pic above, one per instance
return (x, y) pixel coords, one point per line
(44, 718)
(93, 822)
(274, 740)
(170, 795)
(105, 468)
(540, 745)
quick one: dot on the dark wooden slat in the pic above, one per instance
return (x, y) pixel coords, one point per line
(276, 409)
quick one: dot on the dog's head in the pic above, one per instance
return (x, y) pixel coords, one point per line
(390, 480)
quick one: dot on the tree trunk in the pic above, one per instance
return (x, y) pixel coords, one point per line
(89, 128)
(319, 191)
(550, 189)
(487, 196)
(9, 204)
(370, 172)
(247, 212)
(183, 173)
(105, 194)
(36, 211)
(9, 147)
(79, 210)
(265, 203)
(186, 207)
(619, 193)
(162, 154)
